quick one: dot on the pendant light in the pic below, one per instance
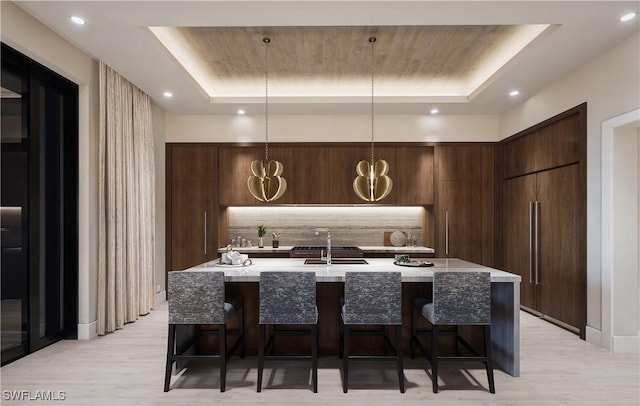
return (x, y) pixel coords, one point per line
(266, 184)
(372, 183)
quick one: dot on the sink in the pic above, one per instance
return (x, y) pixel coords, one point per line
(336, 261)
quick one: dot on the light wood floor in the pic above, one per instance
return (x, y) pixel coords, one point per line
(127, 367)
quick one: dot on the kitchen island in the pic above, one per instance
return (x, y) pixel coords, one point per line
(505, 292)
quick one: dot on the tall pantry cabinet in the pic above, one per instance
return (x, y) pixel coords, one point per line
(544, 217)
(192, 205)
(465, 202)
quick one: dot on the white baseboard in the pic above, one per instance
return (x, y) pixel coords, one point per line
(87, 331)
(593, 336)
(626, 345)
(160, 297)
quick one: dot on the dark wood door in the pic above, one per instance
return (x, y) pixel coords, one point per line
(193, 224)
(558, 274)
(518, 198)
(193, 211)
(460, 220)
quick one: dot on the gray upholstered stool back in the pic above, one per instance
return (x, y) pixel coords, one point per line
(196, 297)
(288, 298)
(460, 297)
(372, 298)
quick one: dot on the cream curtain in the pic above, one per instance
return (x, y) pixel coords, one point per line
(126, 202)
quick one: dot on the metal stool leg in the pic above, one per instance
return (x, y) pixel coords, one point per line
(489, 363)
(222, 332)
(399, 355)
(345, 359)
(434, 357)
(260, 357)
(170, 351)
(314, 356)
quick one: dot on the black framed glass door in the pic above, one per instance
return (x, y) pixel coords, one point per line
(38, 213)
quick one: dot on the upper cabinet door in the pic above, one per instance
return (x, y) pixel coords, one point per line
(324, 174)
(519, 157)
(558, 144)
(459, 162)
(193, 163)
(234, 170)
(412, 175)
(551, 144)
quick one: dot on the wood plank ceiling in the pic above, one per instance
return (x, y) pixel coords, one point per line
(409, 60)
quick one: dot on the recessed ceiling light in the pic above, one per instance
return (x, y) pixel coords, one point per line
(514, 93)
(241, 112)
(627, 17)
(77, 20)
(167, 94)
(435, 111)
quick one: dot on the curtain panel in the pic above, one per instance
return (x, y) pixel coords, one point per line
(126, 203)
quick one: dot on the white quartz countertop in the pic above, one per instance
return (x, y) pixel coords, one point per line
(335, 273)
(366, 249)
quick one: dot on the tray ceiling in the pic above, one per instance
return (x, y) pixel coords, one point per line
(427, 62)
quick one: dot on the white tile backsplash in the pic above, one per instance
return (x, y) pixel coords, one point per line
(349, 225)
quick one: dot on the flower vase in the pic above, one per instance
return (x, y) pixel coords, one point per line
(260, 242)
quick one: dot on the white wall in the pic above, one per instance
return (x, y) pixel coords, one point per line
(24, 33)
(158, 120)
(625, 232)
(609, 84)
(331, 128)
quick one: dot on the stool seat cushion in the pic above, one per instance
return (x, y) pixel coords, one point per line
(231, 305)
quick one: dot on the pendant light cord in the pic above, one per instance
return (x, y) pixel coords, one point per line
(372, 40)
(266, 41)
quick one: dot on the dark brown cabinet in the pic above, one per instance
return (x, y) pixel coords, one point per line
(551, 145)
(192, 206)
(541, 241)
(324, 174)
(543, 226)
(464, 207)
(233, 170)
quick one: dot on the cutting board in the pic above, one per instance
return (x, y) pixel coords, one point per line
(387, 239)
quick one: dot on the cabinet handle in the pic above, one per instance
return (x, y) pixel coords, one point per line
(446, 233)
(531, 237)
(205, 232)
(536, 241)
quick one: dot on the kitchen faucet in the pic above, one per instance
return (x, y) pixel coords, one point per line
(317, 232)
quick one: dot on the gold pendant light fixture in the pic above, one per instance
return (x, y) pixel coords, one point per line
(372, 183)
(266, 184)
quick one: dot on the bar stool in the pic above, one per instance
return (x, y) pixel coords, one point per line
(417, 303)
(287, 298)
(372, 298)
(196, 298)
(459, 298)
